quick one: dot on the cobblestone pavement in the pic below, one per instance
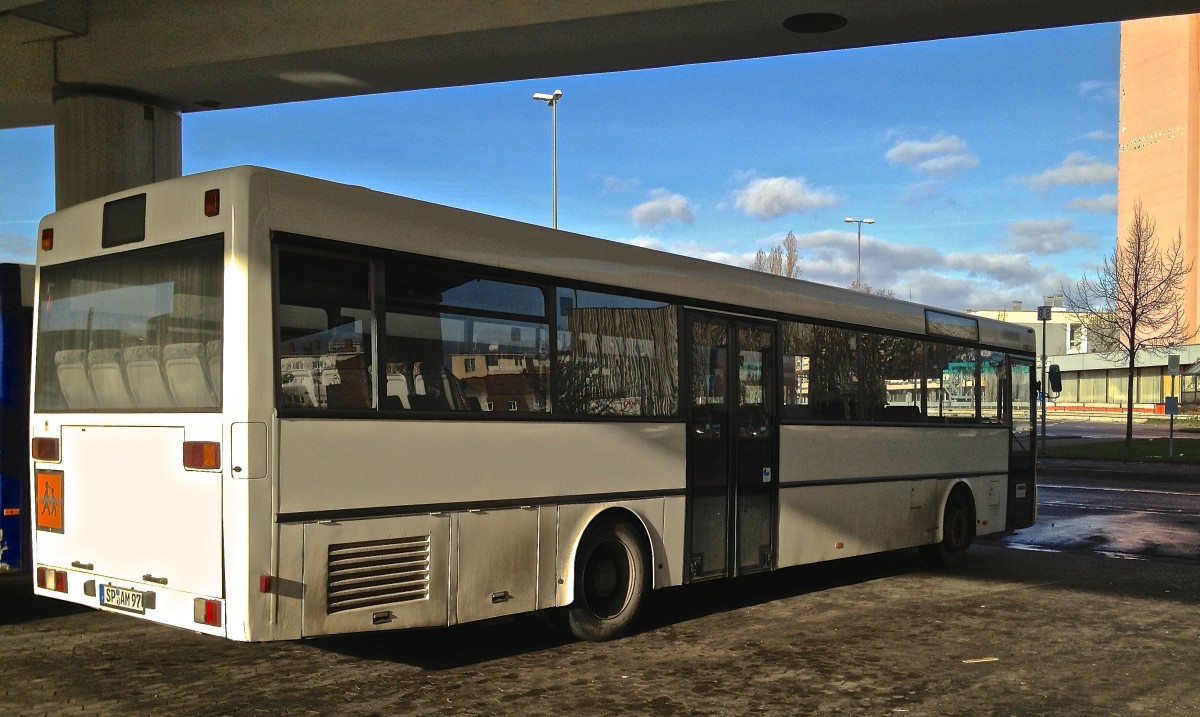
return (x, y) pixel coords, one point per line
(1011, 633)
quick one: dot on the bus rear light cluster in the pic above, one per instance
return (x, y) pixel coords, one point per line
(212, 202)
(46, 449)
(201, 455)
(51, 579)
(207, 612)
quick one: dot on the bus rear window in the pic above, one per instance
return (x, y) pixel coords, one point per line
(136, 331)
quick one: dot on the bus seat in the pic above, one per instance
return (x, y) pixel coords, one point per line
(186, 376)
(145, 376)
(73, 379)
(345, 380)
(213, 351)
(432, 390)
(397, 385)
(108, 380)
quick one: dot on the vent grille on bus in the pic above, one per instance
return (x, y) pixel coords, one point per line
(377, 573)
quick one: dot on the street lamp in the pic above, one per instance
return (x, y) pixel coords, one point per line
(858, 271)
(552, 100)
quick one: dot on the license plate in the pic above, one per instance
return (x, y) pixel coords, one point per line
(123, 599)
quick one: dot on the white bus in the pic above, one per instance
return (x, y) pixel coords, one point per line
(271, 407)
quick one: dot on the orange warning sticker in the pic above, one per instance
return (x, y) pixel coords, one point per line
(49, 503)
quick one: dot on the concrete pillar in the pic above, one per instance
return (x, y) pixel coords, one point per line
(104, 144)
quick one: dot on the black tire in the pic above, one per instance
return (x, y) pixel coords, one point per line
(958, 531)
(611, 581)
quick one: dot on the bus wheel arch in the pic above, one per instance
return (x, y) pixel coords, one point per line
(957, 529)
(611, 576)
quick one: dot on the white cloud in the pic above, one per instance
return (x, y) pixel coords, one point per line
(1101, 135)
(948, 165)
(776, 196)
(1097, 89)
(955, 280)
(663, 206)
(1049, 236)
(619, 185)
(1104, 204)
(942, 155)
(1003, 268)
(913, 151)
(1077, 169)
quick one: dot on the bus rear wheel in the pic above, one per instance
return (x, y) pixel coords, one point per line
(958, 531)
(610, 582)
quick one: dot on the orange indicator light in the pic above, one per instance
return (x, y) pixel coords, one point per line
(45, 449)
(212, 202)
(201, 455)
(47, 239)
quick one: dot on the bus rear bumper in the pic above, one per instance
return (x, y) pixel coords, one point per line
(148, 601)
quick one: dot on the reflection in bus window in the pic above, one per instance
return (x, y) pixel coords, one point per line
(952, 382)
(993, 375)
(489, 354)
(617, 356)
(324, 331)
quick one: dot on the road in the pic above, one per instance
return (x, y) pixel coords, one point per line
(1125, 516)
(1112, 429)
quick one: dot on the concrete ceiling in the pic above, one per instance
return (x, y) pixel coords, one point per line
(206, 54)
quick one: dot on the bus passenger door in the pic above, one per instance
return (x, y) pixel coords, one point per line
(732, 447)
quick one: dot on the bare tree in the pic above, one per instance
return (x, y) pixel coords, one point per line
(1135, 300)
(783, 260)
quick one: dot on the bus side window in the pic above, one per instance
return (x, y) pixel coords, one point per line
(324, 333)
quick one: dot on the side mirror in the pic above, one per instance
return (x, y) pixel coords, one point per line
(1055, 378)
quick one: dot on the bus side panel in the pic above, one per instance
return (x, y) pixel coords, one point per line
(380, 574)
(393, 464)
(835, 502)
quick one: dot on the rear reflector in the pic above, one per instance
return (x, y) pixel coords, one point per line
(207, 612)
(201, 455)
(212, 202)
(264, 583)
(51, 579)
(45, 449)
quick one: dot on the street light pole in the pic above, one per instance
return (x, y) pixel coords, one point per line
(858, 270)
(552, 100)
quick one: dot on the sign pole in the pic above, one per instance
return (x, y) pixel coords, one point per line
(1172, 403)
(1044, 315)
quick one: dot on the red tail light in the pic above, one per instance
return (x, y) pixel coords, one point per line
(51, 579)
(45, 449)
(47, 239)
(207, 612)
(201, 455)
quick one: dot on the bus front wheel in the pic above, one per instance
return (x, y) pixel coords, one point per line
(958, 531)
(610, 582)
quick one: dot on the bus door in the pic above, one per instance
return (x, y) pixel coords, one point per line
(732, 447)
(1022, 478)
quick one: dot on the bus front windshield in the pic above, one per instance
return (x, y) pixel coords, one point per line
(135, 331)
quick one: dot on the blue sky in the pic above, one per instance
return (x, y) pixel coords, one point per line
(989, 164)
